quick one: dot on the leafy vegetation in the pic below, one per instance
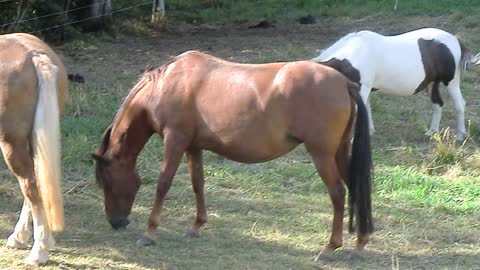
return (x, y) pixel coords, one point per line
(37, 15)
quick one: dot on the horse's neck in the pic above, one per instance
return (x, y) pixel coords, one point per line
(330, 51)
(130, 134)
(346, 46)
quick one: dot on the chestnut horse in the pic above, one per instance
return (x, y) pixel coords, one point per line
(33, 89)
(245, 112)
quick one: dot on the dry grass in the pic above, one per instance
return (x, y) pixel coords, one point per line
(275, 215)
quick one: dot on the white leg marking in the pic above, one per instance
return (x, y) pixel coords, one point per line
(22, 233)
(43, 238)
(436, 117)
(459, 102)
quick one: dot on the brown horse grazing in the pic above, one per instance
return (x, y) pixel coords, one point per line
(33, 89)
(245, 112)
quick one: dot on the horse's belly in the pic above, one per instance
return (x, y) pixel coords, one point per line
(248, 154)
(249, 148)
(399, 86)
(397, 91)
(400, 73)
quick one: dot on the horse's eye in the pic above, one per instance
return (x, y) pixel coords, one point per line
(103, 179)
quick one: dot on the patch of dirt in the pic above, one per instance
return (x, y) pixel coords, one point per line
(130, 55)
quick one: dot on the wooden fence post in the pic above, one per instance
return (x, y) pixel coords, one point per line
(158, 7)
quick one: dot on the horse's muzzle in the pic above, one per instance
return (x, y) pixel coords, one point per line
(119, 223)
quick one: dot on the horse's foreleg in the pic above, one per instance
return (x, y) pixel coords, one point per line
(195, 166)
(174, 147)
(365, 93)
(22, 233)
(328, 171)
(456, 95)
(18, 158)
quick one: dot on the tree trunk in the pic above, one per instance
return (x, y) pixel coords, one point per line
(158, 10)
(20, 15)
(100, 14)
(107, 13)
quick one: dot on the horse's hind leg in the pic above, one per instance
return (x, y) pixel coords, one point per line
(327, 169)
(456, 95)
(22, 233)
(437, 104)
(195, 166)
(343, 163)
(18, 158)
(436, 117)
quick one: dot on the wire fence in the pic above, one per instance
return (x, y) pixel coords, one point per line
(49, 15)
(70, 10)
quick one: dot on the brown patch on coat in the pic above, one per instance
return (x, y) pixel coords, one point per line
(345, 67)
(439, 66)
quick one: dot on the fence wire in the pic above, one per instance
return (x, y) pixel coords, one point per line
(49, 15)
(72, 22)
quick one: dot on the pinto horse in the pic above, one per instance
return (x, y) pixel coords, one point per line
(404, 65)
(245, 112)
(33, 89)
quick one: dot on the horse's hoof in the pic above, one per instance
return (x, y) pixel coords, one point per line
(460, 137)
(430, 133)
(12, 242)
(145, 241)
(35, 259)
(192, 233)
(321, 257)
(357, 255)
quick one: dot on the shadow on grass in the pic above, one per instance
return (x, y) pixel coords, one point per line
(230, 242)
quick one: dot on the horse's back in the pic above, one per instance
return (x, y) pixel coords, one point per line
(19, 82)
(276, 106)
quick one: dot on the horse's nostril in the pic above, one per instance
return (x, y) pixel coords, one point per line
(119, 223)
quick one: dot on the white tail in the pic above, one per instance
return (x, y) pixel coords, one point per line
(46, 142)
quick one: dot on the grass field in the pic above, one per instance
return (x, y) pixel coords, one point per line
(274, 215)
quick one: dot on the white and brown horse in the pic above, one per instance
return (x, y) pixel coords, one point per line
(403, 65)
(33, 90)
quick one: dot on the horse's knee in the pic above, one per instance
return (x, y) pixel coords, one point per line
(337, 194)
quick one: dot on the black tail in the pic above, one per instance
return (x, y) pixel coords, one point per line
(359, 184)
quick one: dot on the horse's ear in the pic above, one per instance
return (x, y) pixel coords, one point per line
(101, 158)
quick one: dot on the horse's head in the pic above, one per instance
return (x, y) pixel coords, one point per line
(119, 181)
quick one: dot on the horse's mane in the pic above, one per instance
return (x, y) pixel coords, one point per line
(149, 76)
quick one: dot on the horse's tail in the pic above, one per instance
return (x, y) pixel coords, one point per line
(46, 142)
(359, 182)
(467, 59)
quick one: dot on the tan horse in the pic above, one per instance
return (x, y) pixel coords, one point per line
(33, 89)
(245, 112)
